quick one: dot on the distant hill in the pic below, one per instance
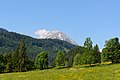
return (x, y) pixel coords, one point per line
(9, 41)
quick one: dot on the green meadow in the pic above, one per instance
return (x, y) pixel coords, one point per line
(103, 72)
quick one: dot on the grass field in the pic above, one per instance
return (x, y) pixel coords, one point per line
(104, 72)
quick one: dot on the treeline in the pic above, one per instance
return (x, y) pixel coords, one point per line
(83, 55)
(89, 54)
(86, 55)
(18, 61)
(9, 42)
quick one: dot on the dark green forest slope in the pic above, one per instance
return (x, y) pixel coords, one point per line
(9, 41)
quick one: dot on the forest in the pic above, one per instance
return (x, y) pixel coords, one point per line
(18, 60)
(21, 53)
(10, 41)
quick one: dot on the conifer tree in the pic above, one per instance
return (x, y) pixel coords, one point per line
(2, 64)
(15, 59)
(21, 56)
(8, 57)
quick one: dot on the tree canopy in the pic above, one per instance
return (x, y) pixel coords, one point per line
(59, 60)
(111, 52)
(42, 60)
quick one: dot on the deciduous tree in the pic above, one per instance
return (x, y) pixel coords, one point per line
(59, 60)
(42, 60)
(111, 52)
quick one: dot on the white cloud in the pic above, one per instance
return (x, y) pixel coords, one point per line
(42, 33)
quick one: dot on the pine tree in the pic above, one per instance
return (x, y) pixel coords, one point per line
(15, 59)
(21, 56)
(8, 58)
(2, 64)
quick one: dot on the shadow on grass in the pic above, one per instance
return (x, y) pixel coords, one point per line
(83, 66)
(94, 65)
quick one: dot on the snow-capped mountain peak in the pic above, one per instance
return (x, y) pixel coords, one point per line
(44, 34)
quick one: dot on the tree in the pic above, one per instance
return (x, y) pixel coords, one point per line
(111, 51)
(59, 60)
(88, 43)
(15, 59)
(69, 57)
(77, 60)
(97, 54)
(21, 56)
(42, 60)
(8, 58)
(30, 64)
(88, 56)
(2, 64)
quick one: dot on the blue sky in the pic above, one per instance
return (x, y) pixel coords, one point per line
(79, 19)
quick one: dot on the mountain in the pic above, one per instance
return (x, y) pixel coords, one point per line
(9, 41)
(44, 34)
(3, 30)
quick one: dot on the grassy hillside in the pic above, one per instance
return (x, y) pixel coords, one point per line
(105, 72)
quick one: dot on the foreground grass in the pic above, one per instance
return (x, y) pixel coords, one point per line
(106, 72)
